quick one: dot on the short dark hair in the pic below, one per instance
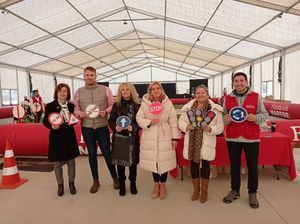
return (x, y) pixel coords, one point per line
(59, 87)
(240, 74)
(90, 68)
(34, 91)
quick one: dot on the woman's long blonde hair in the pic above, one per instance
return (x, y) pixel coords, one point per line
(163, 94)
(133, 93)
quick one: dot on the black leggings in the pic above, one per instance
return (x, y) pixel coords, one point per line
(205, 169)
(160, 177)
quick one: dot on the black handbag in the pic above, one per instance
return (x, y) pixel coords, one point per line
(120, 149)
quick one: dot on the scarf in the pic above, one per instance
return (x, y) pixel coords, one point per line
(64, 112)
(196, 136)
(243, 93)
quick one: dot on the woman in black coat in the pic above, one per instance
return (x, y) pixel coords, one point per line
(125, 141)
(63, 146)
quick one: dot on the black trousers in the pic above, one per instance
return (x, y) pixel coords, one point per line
(160, 177)
(205, 169)
(251, 151)
(132, 173)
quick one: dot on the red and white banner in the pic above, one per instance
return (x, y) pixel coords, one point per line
(284, 110)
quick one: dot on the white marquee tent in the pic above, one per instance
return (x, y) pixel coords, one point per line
(48, 41)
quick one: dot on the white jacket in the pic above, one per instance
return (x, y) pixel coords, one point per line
(156, 151)
(208, 149)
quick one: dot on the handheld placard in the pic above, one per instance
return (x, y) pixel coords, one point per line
(156, 108)
(36, 107)
(55, 118)
(192, 118)
(92, 111)
(123, 122)
(238, 114)
(73, 120)
(210, 115)
(18, 112)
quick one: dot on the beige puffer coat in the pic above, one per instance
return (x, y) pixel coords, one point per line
(208, 149)
(156, 151)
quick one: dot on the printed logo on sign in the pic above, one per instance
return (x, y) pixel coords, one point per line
(156, 108)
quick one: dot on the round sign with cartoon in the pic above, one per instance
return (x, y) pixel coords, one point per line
(238, 114)
(55, 119)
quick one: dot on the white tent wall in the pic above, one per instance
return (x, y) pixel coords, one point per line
(292, 76)
(161, 75)
(45, 84)
(8, 78)
(23, 87)
(148, 75)
(77, 83)
(226, 82)
(257, 77)
(140, 76)
(217, 86)
(8, 85)
(267, 78)
(211, 86)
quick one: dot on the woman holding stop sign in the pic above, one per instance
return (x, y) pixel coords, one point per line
(157, 117)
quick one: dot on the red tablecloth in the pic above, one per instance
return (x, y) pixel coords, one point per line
(275, 149)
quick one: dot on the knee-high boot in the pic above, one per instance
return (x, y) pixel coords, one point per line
(204, 189)
(196, 185)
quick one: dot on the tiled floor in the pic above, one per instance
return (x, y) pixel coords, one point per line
(36, 201)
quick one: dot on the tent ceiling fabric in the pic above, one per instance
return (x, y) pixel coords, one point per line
(117, 37)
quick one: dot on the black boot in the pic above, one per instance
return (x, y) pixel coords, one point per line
(72, 188)
(60, 190)
(122, 190)
(133, 189)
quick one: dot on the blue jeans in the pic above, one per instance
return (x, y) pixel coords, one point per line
(91, 137)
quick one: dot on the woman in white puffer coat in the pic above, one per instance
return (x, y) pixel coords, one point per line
(200, 142)
(159, 138)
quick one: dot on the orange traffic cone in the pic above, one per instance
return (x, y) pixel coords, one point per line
(10, 178)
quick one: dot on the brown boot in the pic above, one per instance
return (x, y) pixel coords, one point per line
(204, 187)
(196, 184)
(155, 192)
(162, 191)
(95, 186)
(116, 183)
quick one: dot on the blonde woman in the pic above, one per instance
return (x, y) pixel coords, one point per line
(200, 142)
(159, 138)
(125, 141)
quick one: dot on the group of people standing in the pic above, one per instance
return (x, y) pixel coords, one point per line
(34, 109)
(159, 133)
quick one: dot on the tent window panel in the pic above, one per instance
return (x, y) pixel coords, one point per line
(267, 88)
(23, 85)
(9, 97)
